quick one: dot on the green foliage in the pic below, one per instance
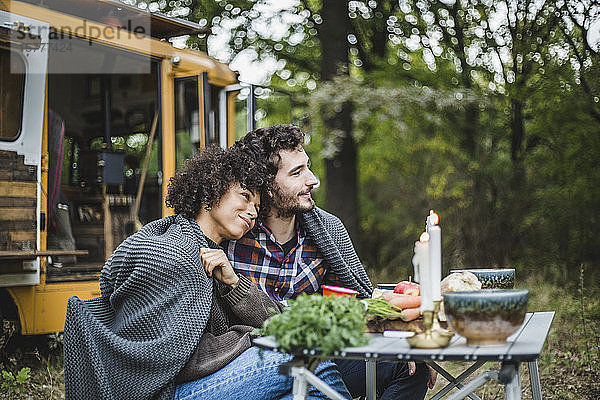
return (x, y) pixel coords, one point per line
(410, 161)
(495, 210)
(56, 340)
(12, 383)
(493, 121)
(562, 174)
(570, 362)
(329, 323)
(274, 108)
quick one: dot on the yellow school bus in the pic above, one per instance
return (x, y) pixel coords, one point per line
(97, 111)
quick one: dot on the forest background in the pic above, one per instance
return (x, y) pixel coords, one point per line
(486, 111)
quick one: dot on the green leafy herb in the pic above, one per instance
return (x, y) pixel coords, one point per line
(379, 307)
(329, 323)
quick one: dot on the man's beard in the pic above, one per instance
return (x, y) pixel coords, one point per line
(286, 205)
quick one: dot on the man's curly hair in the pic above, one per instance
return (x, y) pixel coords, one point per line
(268, 142)
(207, 176)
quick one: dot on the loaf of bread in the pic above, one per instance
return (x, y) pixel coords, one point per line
(457, 282)
(460, 282)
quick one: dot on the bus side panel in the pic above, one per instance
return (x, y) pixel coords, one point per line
(42, 310)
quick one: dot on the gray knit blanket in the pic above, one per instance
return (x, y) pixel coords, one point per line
(331, 238)
(131, 342)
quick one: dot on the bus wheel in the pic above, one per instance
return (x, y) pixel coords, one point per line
(8, 328)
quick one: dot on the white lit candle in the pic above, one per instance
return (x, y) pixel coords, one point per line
(416, 260)
(422, 255)
(431, 220)
(435, 257)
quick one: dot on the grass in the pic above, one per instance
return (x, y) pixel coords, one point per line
(569, 365)
(43, 354)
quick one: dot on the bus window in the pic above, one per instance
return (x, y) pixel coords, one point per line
(187, 119)
(211, 111)
(12, 89)
(213, 133)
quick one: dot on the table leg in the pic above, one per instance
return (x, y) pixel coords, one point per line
(371, 377)
(302, 378)
(510, 375)
(475, 384)
(300, 388)
(534, 378)
(454, 382)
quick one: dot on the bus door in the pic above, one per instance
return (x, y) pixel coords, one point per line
(23, 64)
(252, 107)
(104, 143)
(232, 111)
(219, 112)
(189, 117)
(201, 116)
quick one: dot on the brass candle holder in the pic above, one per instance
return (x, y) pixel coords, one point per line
(437, 304)
(434, 336)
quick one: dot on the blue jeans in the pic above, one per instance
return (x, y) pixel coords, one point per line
(249, 378)
(393, 380)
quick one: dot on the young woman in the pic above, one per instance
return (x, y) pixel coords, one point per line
(174, 319)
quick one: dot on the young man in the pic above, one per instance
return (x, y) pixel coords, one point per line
(298, 247)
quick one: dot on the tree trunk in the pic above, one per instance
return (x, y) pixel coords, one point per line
(341, 188)
(340, 171)
(517, 129)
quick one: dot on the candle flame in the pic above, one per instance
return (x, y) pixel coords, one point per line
(435, 219)
(424, 237)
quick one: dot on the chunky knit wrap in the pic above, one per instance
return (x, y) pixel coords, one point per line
(332, 239)
(132, 342)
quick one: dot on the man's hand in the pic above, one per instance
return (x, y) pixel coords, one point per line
(412, 367)
(217, 265)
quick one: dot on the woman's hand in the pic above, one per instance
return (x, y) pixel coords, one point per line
(217, 265)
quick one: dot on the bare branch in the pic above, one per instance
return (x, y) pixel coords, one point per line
(582, 28)
(309, 65)
(584, 82)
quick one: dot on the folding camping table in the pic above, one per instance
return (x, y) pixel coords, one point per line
(525, 345)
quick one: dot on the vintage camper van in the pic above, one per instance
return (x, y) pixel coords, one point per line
(97, 110)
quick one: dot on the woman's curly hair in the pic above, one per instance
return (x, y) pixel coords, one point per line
(207, 176)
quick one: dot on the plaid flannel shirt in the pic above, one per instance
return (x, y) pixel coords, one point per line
(258, 256)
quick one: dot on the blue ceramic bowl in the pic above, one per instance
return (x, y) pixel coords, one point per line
(487, 316)
(493, 278)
